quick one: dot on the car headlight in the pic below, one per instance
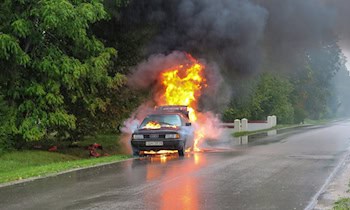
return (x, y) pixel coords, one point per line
(172, 136)
(137, 136)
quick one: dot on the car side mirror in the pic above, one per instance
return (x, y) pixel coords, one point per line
(188, 124)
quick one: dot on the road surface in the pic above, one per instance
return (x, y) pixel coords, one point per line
(284, 171)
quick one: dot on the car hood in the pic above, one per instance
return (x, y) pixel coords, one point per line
(160, 130)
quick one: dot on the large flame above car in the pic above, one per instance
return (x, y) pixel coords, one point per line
(182, 85)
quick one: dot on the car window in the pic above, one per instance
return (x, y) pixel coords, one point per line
(163, 120)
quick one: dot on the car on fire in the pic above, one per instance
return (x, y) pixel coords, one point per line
(167, 128)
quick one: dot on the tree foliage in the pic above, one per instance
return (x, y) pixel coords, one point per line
(6, 125)
(272, 97)
(52, 66)
(269, 96)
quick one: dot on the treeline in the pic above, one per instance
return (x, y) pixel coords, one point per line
(64, 67)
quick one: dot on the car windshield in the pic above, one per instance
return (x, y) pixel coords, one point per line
(162, 120)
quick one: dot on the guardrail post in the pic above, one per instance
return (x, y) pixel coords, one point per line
(274, 120)
(244, 122)
(269, 122)
(237, 124)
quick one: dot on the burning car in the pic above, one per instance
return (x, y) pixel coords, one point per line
(168, 128)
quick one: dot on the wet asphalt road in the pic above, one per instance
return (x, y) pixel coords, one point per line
(284, 171)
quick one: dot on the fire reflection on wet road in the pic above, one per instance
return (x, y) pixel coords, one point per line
(175, 195)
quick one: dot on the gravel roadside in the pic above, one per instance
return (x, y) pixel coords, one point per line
(338, 188)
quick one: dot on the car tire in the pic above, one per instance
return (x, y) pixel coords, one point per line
(135, 152)
(181, 152)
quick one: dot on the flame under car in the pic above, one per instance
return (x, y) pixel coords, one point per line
(163, 131)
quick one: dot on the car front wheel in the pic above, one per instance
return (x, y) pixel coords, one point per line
(135, 152)
(181, 152)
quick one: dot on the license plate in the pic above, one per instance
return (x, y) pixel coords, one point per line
(154, 143)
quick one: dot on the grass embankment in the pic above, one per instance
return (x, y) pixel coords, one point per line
(32, 163)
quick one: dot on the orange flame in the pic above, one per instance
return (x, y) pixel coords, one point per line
(152, 125)
(182, 85)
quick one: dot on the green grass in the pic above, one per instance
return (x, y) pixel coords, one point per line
(342, 204)
(26, 164)
(32, 163)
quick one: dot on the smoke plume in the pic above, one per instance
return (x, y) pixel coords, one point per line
(243, 36)
(225, 32)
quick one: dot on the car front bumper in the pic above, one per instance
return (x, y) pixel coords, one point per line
(167, 145)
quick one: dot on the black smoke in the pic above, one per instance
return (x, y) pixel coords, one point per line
(228, 32)
(233, 32)
(295, 28)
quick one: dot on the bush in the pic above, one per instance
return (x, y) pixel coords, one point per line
(231, 113)
(272, 97)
